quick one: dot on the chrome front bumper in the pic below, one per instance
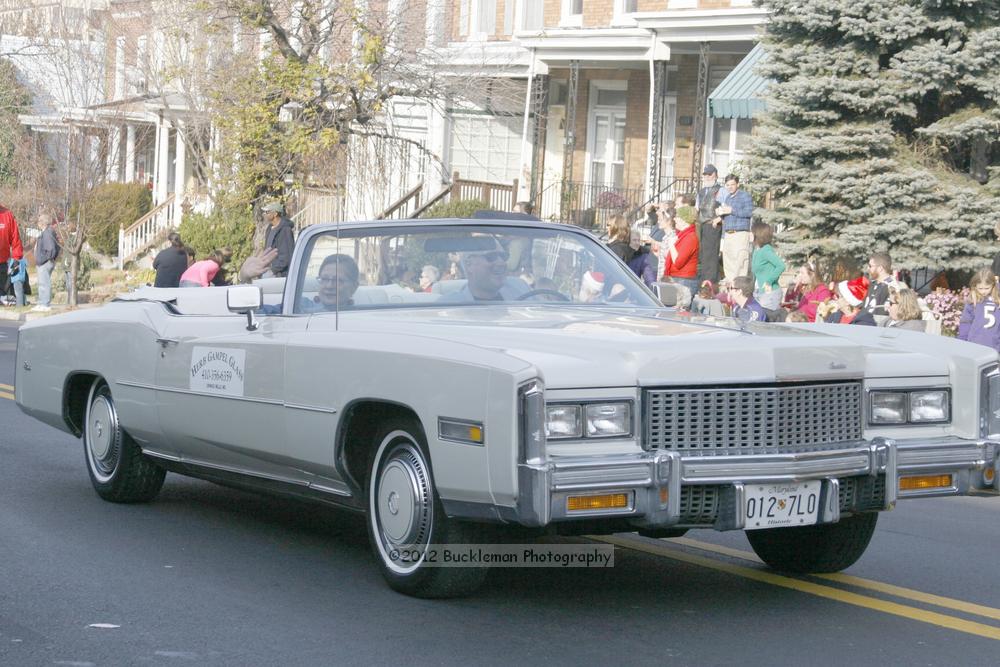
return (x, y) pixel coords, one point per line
(654, 480)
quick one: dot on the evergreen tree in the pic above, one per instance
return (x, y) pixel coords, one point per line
(883, 130)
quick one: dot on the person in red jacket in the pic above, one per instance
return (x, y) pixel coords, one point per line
(681, 255)
(10, 244)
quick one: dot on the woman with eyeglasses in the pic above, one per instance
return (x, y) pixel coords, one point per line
(904, 311)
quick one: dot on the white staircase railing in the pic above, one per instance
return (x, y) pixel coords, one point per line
(145, 232)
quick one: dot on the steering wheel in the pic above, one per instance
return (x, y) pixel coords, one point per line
(540, 292)
(620, 297)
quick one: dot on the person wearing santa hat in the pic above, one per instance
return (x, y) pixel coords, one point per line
(591, 287)
(850, 296)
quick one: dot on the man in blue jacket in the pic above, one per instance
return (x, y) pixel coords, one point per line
(46, 253)
(736, 209)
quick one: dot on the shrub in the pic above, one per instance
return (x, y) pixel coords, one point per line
(230, 228)
(108, 207)
(88, 263)
(947, 306)
(462, 208)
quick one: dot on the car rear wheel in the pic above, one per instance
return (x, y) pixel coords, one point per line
(118, 469)
(829, 547)
(405, 519)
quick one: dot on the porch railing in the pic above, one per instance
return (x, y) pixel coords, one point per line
(669, 192)
(499, 196)
(401, 208)
(145, 232)
(317, 205)
(587, 205)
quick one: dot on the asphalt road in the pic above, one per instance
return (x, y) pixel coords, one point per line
(211, 576)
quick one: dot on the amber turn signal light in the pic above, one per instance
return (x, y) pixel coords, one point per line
(606, 501)
(924, 482)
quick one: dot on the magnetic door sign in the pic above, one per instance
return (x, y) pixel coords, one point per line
(217, 370)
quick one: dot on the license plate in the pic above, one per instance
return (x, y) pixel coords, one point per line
(781, 505)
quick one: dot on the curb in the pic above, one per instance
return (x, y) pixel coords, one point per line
(29, 315)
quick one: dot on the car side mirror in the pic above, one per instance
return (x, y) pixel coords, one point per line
(245, 299)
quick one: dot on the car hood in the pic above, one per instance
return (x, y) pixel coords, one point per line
(612, 347)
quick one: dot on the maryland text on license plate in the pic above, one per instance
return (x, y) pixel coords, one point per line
(780, 505)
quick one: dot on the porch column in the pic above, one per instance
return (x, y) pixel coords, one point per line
(129, 153)
(114, 162)
(569, 144)
(535, 100)
(659, 54)
(438, 143)
(180, 173)
(434, 25)
(162, 160)
(700, 112)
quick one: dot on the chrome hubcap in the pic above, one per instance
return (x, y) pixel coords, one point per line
(103, 443)
(402, 505)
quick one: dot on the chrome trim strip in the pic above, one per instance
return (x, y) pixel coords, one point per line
(238, 471)
(246, 399)
(161, 455)
(310, 408)
(325, 488)
(776, 467)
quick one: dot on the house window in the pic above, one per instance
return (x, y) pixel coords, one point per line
(486, 147)
(532, 14)
(728, 142)
(477, 18)
(572, 14)
(508, 16)
(623, 7)
(606, 133)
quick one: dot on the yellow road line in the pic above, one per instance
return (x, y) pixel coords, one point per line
(819, 590)
(850, 580)
(4, 394)
(8, 387)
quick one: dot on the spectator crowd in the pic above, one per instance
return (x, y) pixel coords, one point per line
(704, 245)
(717, 260)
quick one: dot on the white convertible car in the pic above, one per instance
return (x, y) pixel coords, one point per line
(538, 383)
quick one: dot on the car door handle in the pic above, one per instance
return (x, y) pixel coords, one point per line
(167, 341)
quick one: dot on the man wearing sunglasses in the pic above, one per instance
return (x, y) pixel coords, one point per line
(486, 271)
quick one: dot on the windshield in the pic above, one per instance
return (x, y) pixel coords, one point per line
(468, 265)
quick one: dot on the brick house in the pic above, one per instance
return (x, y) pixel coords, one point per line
(614, 111)
(585, 104)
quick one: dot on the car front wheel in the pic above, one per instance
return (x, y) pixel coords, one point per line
(828, 547)
(406, 523)
(118, 469)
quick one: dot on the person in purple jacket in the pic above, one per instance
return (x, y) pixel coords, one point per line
(643, 262)
(746, 308)
(978, 323)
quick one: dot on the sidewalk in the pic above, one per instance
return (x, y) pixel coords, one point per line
(26, 314)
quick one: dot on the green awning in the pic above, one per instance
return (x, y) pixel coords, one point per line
(740, 95)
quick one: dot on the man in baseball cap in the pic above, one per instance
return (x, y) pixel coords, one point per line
(280, 236)
(709, 170)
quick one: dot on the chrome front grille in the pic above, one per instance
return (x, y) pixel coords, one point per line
(752, 419)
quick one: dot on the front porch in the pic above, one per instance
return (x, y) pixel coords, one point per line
(617, 118)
